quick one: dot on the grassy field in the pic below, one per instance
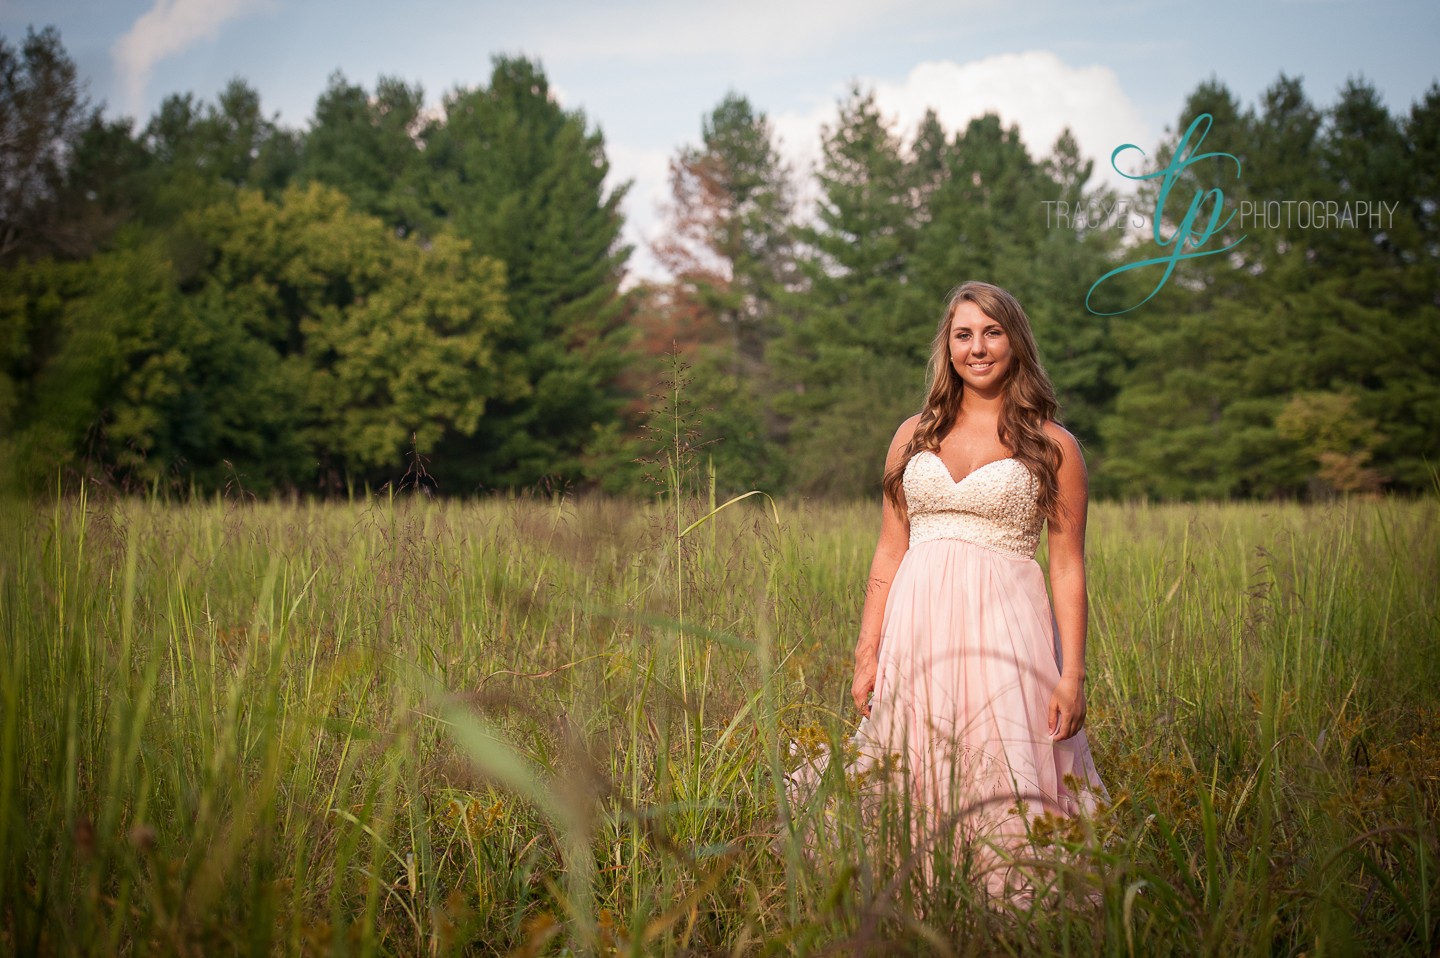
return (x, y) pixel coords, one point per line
(560, 727)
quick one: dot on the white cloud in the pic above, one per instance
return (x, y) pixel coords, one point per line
(168, 28)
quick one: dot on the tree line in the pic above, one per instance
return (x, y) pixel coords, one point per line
(212, 298)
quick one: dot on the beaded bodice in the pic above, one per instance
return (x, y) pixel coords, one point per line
(995, 506)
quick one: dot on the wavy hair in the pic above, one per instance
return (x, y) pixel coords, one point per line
(1027, 404)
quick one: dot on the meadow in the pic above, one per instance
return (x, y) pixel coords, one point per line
(558, 726)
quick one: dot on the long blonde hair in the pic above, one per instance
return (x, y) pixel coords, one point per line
(1027, 404)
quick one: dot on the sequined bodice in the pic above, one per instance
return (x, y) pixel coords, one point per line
(995, 506)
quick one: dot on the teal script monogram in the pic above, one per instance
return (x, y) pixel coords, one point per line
(1195, 228)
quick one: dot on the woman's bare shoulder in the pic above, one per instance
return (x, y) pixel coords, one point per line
(907, 428)
(903, 435)
(901, 440)
(1072, 456)
(1062, 436)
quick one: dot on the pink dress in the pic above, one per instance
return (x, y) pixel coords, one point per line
(969, 657)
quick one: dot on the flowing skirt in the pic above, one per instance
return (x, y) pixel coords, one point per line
(958, 729)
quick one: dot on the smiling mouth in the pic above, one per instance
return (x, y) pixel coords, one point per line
(980, 367)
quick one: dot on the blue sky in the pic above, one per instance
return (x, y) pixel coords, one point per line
(646, 71)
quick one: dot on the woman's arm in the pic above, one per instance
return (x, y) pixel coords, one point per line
(894, 540)
(1067, 585)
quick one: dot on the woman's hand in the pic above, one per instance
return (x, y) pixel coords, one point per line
(1067, 707)
(864, 684)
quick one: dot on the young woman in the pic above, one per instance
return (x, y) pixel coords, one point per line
(973, 690)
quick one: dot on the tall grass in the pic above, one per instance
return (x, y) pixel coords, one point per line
(554, 727)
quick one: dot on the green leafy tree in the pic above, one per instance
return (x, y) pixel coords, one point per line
(1329, 430)
(851, 359)
(388, 338)
(523, 180)
(730, 248)
(368, 147)
(43, 115)
(986, 212)
(731, 241)
(1194, 416)
(1077, 343)
(296, 340)
(105, 187)
(1297, 310)
(201, 153)
(91, 353)
(1422, 187)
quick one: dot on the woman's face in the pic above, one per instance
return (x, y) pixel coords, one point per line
(979, 349)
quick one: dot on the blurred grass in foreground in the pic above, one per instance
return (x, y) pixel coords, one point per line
(529, 727)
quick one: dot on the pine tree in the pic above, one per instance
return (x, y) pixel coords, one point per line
(730, 247)
(523, 180)
(852, 359)
(201, 153)
(43, 115)
(1301, 316)
(730, 250)
(368, 147)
